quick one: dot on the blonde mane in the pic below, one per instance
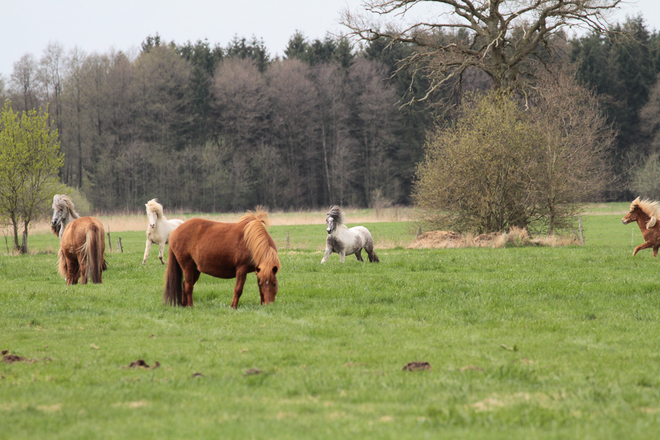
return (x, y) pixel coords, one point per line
(257, 240)
(648, 207)
(63, 203)
(153, 206)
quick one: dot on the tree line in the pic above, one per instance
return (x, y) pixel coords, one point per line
(210, 128)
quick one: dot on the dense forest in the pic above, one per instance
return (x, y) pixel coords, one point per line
(213, 128)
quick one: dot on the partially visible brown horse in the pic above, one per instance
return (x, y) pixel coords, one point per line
(222, 250)
(646, 214)
(81, 251)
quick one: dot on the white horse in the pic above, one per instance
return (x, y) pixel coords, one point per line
(346, 241)
(63, 214)
(159, 228)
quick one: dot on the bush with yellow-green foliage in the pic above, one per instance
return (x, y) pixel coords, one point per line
(501, 166)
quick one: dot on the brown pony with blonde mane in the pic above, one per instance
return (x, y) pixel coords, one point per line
(222, 250)
(646, 214)
(82, 243)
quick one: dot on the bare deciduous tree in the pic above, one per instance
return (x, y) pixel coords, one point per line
(576, 141)
(240, 101)
(375, 119)
(293, 100)
(23, 83)
(495, 36)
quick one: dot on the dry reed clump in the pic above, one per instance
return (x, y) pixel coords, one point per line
(515, 237)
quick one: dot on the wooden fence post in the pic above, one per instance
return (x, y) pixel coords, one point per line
(109, 240)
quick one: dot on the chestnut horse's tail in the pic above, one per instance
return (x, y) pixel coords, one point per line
(62, 265)
(93, 252)
(173, 293)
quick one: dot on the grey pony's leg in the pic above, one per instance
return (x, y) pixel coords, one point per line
(358, 255)
(327, 254)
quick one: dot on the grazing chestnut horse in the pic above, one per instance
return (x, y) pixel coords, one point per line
(222, 250)
(82, 243)
(646, 214)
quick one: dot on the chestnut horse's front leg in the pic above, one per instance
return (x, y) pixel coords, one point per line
(645, 245)
(241, 275)
(655, 250)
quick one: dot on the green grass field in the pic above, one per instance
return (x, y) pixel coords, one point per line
(523, 343)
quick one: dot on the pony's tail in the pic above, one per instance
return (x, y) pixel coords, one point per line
(62, 267)
(373, 258)
(93, 248)
(173, 293)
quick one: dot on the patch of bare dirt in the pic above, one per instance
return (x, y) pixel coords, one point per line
(253, 371)
(140, 363)
(11, 358)
(417, 366)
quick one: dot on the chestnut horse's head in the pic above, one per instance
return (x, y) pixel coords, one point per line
(643, 210)
(630, 217)
(267, 280)
(264, 254)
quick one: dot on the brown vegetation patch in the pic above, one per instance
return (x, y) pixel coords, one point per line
(515, 237)
(253, 371)
(417, 366)
(498, 401)
(470, 368)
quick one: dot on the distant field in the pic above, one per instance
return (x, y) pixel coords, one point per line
(137, 222)
(531, 342)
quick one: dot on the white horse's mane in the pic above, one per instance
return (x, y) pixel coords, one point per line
(63, 203)
(153, 206)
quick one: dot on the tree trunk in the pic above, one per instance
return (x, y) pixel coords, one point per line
(14, 223)
(24, 244)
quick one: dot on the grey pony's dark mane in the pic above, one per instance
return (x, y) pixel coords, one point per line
(336, 214)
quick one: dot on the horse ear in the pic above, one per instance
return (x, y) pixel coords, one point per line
(275, 270)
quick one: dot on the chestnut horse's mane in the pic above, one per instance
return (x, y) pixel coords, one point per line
(648, 207)
(154, 206)
(256, 240)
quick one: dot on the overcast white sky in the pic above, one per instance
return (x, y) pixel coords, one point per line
(98, 26)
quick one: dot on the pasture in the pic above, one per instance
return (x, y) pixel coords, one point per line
(530, 342)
